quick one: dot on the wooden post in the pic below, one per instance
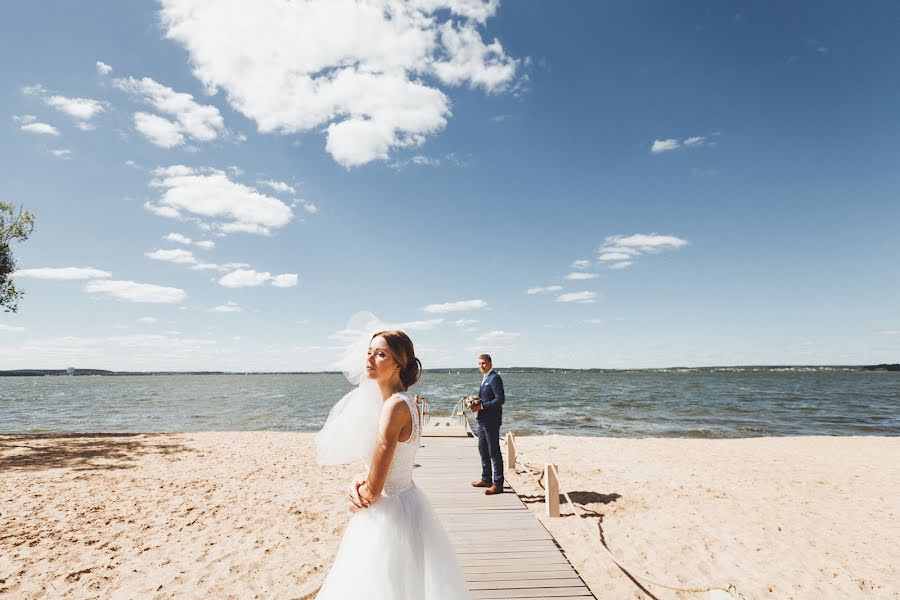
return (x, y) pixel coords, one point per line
(426, 410)
(511, 451)
(551, 488)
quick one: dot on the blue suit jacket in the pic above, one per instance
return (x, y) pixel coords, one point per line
(492, 399)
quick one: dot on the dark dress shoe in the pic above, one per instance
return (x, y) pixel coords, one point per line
(493, 490)
(480, 483)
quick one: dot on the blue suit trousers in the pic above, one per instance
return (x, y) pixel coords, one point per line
(489, 449)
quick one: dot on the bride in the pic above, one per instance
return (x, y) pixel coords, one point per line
(394, 547)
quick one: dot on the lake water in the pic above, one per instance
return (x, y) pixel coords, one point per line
(704, 403)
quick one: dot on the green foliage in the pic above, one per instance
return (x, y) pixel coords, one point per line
(12, 228)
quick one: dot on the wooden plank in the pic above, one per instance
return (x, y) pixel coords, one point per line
(504, 551)
(463, 547)
(517, 568)
(539, 575)
(445, 427)
(559, 559)
(563, 592)
(511, 584)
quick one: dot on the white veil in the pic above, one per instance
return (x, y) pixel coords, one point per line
(350, 431)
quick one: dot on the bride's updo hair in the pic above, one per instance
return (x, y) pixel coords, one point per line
(404, 354)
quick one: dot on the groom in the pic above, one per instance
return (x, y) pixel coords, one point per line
(490, 414)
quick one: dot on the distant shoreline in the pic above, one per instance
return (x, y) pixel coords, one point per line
(109, 373)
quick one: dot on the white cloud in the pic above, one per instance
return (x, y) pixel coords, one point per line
(162, 211)
(426, 325)
(250, 278)
(40, 128)
(664, 146)
(278, 186)
(244, 278)
(11, 328)
(62, 153)
(668, 145)
(106, 350)
(465, 322)
(24, 118)
(310, 208)
(643, 243)
(477, 10)
(63, 273)
(622, 250)
(607, 256)
(595, 321)
(131, 163)
(581, 263)
(285, 280)
(103, 68)
(136, 292)
(580, 297)
(82, 109)
(470, 59)
(175, 255)
(183, 239)
(209, 193)
(221, 268)
(498, 337)
(621, 265)
(425, 161)
(455, 306)
(576, 276)
(357, 70)
(161, 132)
(198, 121)
(178, 238)
(147, 320)
(228, 307)
(550, 289)
(34, 90)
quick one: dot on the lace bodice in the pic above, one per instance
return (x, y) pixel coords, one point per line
(399, 478)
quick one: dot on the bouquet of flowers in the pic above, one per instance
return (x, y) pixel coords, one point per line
(470, 401)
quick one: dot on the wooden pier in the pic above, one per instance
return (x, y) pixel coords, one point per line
(446, 427)
(504, 550)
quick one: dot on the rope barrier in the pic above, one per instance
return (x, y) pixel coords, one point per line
(714, 592)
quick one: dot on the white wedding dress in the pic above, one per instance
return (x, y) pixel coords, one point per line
(396, 549)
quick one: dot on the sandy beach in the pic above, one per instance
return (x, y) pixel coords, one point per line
(251, 515)
(802, 517)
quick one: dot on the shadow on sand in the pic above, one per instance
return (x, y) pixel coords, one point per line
(579, 498)
(82, 451)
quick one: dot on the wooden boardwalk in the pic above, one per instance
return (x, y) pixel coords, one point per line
(503, 548)
(445, 427)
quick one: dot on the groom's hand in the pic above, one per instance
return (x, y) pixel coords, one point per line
(476, 407)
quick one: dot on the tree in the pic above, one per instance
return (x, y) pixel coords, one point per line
(12, 227)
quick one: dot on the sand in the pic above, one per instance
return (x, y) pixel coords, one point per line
(251, 515)
(204, 515)
(803, 517)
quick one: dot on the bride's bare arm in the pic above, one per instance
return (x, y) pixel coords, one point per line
(394, 417)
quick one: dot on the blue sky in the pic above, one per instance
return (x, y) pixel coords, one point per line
(584, 184)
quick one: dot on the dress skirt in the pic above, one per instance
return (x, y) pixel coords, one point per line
(396, 549)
